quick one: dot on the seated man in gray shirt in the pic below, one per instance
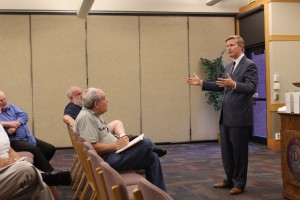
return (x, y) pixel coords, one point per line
(90, 125)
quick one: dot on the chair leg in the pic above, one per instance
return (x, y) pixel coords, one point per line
(137, 194)
(78, 190)
(78, 178)
(85, 190)
(94, 196)
(74, 168)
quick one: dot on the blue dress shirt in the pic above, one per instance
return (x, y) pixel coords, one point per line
(13, 113)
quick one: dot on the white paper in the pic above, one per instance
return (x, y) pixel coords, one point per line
(131, 143)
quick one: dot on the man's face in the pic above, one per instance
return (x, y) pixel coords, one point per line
(101, 106)
(233, 50)
(3, 101)
(77, 96)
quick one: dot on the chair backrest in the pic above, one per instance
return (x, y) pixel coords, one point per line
(95, 161)
(88, 146)
(150, 191)
(114, 182)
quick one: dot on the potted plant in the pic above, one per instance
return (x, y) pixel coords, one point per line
(214, 69)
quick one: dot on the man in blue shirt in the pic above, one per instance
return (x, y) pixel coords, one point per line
(14, 120)
(73, 108)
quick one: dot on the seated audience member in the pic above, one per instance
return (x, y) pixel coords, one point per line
(21, 180)
(107, 139)
(14, 120)
(73, 108)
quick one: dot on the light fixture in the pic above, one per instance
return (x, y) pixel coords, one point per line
(212, 2)
(84, 8)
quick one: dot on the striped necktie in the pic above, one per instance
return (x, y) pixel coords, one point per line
(232, 68)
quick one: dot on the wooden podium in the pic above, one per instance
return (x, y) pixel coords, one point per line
(290, 155)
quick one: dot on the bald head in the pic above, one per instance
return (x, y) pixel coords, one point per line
(74, 94)
(3, 101)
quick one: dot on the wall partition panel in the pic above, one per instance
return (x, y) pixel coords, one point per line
(113, 65)
(15, 62)
(164, 69)
(58, 62)
(207, 40)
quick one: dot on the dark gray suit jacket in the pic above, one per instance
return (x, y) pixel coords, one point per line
(237, 106)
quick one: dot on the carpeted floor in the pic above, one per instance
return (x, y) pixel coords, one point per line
(190, 170)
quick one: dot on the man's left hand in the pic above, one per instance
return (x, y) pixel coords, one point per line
(226, 82)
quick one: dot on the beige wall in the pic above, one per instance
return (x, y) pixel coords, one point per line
(58, 61)
(113, 65)
(207, 40)
(284, 51)
(141, 62)
(15, 61)
(164, 68)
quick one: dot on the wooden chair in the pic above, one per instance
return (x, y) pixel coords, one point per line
(80, 176)
(130, 177)
(76, 170)
(148, 191)
(83, 158)
(94, 161)
(115, 183)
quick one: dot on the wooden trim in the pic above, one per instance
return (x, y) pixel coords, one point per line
(274, 144)
(252, 5)
(267, 54)
(285, 1)
(274, 107)
(237, 27)
(284, 38)
(257, 3)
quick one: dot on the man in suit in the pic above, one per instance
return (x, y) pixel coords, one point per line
(236, 120)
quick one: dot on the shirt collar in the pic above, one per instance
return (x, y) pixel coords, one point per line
(89, 110)
(238, 59)
(5, 109)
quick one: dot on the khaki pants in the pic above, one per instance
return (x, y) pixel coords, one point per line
(22, 181)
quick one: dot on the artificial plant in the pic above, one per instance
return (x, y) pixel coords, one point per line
(214, 69)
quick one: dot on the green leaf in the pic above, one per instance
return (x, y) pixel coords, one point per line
(214, 69)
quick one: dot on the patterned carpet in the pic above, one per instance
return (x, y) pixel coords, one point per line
(190, 170)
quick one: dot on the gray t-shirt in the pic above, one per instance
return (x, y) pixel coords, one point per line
(93, 127)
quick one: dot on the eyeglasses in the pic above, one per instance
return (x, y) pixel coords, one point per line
(2, 100)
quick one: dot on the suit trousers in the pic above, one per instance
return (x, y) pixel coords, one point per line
(234, 148)
(21, 181)
(42, 152)
(139, 156)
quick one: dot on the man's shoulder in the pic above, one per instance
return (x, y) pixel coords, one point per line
(84, 114)
(71, 107)
(247, 61)
(70, 104)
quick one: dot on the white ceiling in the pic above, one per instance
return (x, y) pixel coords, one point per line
(189, 6)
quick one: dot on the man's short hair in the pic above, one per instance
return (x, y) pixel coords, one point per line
(89, 98)
(239, 39)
